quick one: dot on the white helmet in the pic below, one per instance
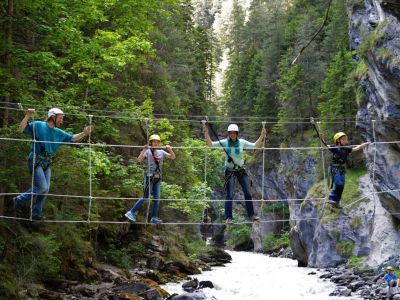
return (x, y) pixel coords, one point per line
(233, 127)
(54, 112)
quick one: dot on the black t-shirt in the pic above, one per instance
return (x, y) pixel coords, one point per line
(340, 154)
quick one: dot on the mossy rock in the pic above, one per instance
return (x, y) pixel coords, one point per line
(151, 283)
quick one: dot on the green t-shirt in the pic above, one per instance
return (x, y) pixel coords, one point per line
(236, 153)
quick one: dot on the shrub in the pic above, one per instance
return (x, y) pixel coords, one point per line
(238, 234)
(272, 242)
(355, 222)
(344, 248)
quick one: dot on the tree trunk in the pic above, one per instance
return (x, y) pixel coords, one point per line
(7, 63)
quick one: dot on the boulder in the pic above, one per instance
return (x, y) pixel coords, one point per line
(206, 284)
(190, 285)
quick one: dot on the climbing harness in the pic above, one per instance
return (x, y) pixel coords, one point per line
(237, 170)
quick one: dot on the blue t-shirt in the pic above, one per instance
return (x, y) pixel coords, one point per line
(389, 277)
(150, 161)
(236, 153)
(44, 133)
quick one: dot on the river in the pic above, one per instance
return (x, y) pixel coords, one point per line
(259, 277)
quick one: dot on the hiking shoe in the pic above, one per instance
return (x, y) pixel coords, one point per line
(155, 220)
(254, 218)
(228, 221)
(131, 217)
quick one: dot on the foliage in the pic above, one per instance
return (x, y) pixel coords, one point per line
(344, 248)
(238, 234)
(355, 261)
(355, 222)
(273, 242)
(335, 232)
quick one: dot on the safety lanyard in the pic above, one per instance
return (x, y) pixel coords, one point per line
(230, 159)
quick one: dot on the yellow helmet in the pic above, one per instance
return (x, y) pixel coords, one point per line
(337, 136)
(154, 137)
(389, 268)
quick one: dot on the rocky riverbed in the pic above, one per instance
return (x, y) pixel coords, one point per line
(110, 282)
(363, 282)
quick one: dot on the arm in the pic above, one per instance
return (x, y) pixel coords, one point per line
(322, 138)
(359, 147)
(170, 154)
(207, 136)
(25, 120)
(260, 140)
(85, 132)
(142, 154)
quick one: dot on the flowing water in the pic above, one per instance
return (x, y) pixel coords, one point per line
(259, 277)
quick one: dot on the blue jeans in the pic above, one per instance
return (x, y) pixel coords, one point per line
(338, 177)
(156, 189)
(41, 185)
(230, 187)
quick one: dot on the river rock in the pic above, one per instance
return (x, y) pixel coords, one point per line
(355, 285)
(206, 284)
(198, 295)
(190, 285)
(216, 257)
(138, 289)
(84, 290)
(341, 291)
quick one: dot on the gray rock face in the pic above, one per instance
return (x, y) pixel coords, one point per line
(382, 88)
(316, 243)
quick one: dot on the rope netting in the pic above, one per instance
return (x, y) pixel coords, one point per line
(175, 118)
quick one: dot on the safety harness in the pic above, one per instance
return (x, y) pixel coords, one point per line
(156, 176)
(42, 156)
(237, 170)
(333, 167)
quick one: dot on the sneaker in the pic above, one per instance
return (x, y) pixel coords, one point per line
(131, 217)
(155, 220)
(228, 221)
(254, 218)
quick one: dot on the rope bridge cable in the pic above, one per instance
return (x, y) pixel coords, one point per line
(196, 119)
(209, 200)
(202, 223)
(179, 147)
(90, 169)
(91, 197)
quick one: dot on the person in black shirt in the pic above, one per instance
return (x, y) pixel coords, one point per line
(340, 152)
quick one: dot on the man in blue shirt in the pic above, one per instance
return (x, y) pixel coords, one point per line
(49, 137)
(390, 277)
(234, 167)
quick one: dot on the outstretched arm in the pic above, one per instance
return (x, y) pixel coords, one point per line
(207, 136)
(171, 153)
(88, 129)
(260, 140)
(359, 147)
(322, 138)
(30, 112)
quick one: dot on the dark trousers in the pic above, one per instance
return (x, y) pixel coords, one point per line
(338, 177)
(230, 187)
